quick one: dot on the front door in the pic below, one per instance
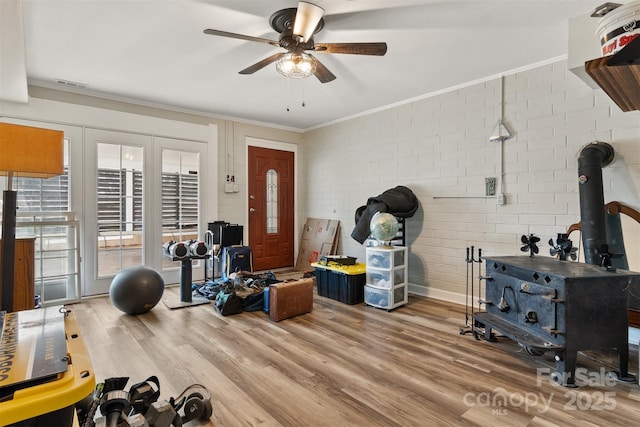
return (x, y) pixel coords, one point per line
(271, 198)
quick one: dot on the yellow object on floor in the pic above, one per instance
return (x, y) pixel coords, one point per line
(45, 365)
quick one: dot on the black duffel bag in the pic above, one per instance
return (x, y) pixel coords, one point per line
(228, 302)
(254, 302)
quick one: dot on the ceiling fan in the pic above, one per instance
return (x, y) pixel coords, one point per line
(297, 27)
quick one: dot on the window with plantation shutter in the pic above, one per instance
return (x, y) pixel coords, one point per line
(43, 195)
(179, 201)
(110, 204)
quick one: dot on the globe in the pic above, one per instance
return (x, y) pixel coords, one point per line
(384, 226)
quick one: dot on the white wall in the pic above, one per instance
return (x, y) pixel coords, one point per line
(439, 147)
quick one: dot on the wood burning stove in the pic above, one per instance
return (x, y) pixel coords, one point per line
(549, 305)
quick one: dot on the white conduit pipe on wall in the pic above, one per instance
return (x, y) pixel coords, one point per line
(229, 155)
(500, 197)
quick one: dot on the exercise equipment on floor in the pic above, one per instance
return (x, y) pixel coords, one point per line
(136, 290)
(112, 406)
(186, 252)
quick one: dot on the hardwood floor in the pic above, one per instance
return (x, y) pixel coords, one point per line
(344, 365)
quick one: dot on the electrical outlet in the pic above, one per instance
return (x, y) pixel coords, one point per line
(490, 186)
(502, 199)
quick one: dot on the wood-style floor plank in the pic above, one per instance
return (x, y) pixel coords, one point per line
(348, 365)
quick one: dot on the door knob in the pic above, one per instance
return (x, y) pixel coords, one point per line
(252, 210)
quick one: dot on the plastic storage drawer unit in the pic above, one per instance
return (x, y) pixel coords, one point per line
(386, 278)
(344, 283)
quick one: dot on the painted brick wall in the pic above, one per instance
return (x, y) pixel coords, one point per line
(439, 147)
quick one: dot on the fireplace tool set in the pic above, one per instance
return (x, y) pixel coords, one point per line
(470, 326)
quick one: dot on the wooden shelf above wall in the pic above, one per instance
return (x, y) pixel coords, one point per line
(619, 75)
(620, 82)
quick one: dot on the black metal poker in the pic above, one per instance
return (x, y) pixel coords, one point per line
(465, 329)
(470, 260)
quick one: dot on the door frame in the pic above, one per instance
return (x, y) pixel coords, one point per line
(274, 145)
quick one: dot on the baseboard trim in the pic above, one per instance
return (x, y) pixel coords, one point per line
(439, 294)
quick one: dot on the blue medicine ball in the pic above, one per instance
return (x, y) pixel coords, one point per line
(136, 290)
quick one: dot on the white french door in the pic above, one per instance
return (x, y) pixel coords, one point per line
(140, 191)
(117, 167)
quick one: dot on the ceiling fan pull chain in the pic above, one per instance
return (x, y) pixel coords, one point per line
(288, 94)
(303, 94)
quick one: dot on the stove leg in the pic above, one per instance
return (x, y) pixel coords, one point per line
(565, 368)
(488, 334)
(623, 361)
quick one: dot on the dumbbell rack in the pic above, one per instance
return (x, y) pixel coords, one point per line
(186, 295)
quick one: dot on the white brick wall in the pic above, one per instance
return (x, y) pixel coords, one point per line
(439, 147)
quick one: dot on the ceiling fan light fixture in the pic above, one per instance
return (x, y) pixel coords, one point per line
(307, 18)
(296, 65)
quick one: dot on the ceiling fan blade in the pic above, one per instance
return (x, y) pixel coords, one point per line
(240, 36)
(378, 49)
(261, 64)
(322, 73)
(307, 18)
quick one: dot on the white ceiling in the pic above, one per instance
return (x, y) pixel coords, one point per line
(155, 52)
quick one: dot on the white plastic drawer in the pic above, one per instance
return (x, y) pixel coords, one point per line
(385, 258)
(385, 298)
(385, 278)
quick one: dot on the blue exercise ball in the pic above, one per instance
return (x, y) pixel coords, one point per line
(136, 290)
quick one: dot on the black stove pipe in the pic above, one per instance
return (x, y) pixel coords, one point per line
(592, 159)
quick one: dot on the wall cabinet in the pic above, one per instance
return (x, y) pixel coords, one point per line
(24, 275)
